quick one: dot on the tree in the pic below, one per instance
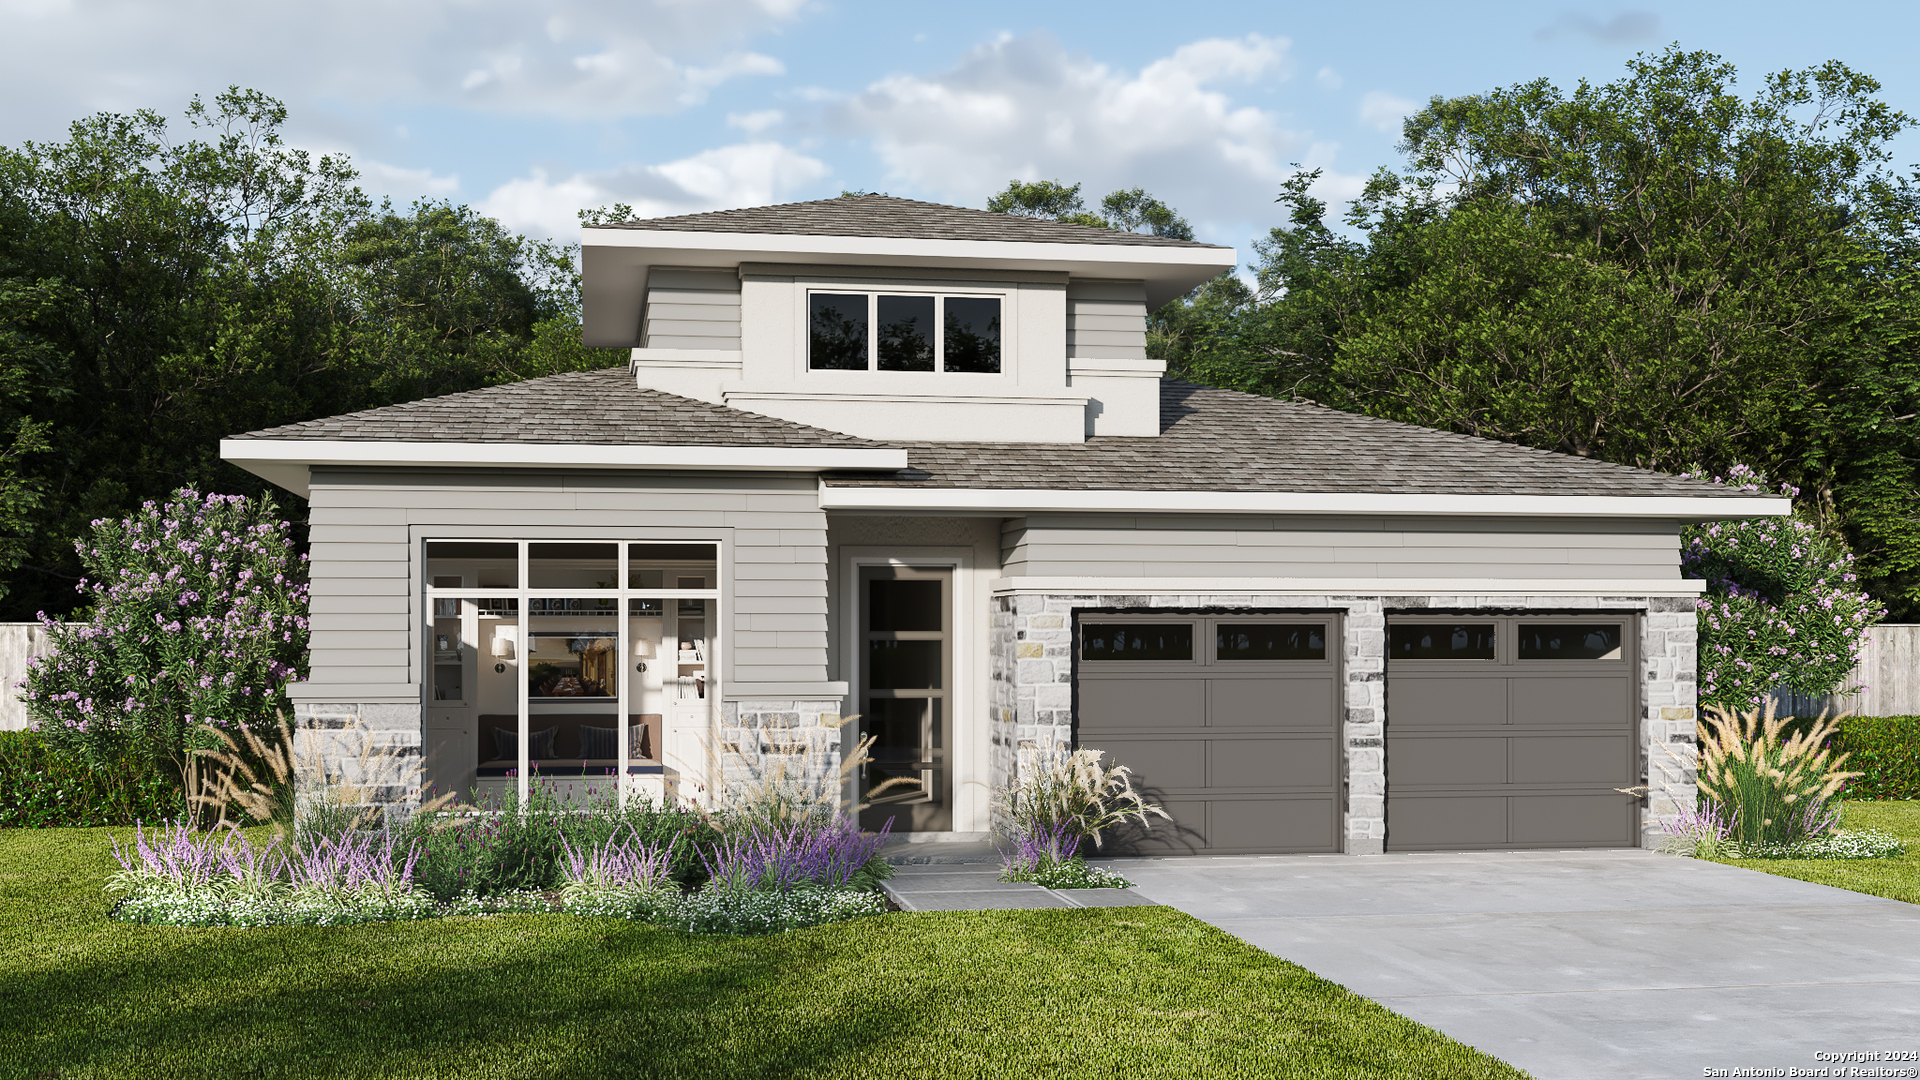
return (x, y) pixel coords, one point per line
(1655, 272)
(1049, 200)
(1133, 210)
(158, 293)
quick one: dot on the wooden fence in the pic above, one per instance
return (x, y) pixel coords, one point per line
(19, 642)
(1888, 676)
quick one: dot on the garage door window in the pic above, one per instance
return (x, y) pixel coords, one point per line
(1136, 641)
(1270, 641)
(1569, 641)
(1441, 641)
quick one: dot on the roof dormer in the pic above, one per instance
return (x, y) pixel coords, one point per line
(894, 319)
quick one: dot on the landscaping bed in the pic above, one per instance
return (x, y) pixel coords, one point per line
(1127, 992)
(1896, 878)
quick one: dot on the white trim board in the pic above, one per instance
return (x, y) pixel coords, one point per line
(1622, 587)
(1028, 500)
(287, 462)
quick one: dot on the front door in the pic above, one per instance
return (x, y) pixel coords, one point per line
(906, 676)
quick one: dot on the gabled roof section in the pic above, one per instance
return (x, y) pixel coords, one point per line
(593, 408)
(884, 215)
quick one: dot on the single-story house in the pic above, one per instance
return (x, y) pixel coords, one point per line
(912, 462)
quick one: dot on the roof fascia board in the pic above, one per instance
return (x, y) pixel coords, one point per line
(1320, 587)
(965, 252)
(1023, 500)
(309, 452)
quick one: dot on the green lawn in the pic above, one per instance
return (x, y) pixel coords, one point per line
(1896, 879)
(1118, 993)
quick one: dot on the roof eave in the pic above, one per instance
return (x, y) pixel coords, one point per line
(1035, 500)
(289, 463)
(615, 262)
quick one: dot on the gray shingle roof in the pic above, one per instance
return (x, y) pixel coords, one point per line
(1222, 440)
(1211, 440)
(586, 407)
(884, 215)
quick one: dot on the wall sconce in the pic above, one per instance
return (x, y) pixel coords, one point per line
(642, 651)
(503, 643)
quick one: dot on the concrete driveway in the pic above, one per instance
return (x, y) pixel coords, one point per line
(1614, 964)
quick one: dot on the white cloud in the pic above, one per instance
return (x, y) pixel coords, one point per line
(744, 174)
(571, 58)
(1626, 28)
(1024, 107)
(753, 123)
(1329, 78)
(1384, 111)
(404, 184)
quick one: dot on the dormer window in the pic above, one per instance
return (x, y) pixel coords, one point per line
(893, 332)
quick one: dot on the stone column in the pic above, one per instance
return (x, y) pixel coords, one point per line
(363, 756)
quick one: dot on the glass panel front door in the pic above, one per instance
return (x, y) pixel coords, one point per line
(906, 676)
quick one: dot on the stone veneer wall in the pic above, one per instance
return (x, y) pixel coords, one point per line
(1032, 691)
(799, 739)
(372, 750)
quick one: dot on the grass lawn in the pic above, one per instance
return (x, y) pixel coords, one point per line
(1896, 879)
(1130, 992)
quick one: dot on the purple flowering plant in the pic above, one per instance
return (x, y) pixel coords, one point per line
(1783, 606)
(199, 622)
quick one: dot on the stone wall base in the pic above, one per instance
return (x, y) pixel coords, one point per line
(362, 756)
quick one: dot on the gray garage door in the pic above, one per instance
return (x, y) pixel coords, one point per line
(1228, 722)
(1511, 732)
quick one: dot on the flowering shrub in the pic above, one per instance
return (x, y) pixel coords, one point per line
(199, 620)
(833, 853)
(1783, 606)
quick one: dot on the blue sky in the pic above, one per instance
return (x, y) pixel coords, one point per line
(534, 111)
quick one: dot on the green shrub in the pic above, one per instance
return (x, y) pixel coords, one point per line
(42, 788)
(1885, 751)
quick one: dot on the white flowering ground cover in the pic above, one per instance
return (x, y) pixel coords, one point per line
(1068, 874)
(1843, 844)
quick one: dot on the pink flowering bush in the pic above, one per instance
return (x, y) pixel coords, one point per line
(199, 621)
(1783, 607)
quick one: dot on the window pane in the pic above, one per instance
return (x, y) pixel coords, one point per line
(1440, 641)
(837, 331)
(973, 334)
(1148, 641)
(573, 654)
(1571, 641)
(474, 563)
(906, 333)
(903, 605)
(1268, 641)
(903, 665)
(573, 566)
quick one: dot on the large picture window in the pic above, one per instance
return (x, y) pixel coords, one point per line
(889, 332)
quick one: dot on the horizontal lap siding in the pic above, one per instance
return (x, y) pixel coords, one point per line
(1107, 320)
(366, 602)
(691, 309)
(1123, 546)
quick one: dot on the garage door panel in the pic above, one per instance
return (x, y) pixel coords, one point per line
(1272, 763)
(1445, 762)
(1273, 825)
(1416, 822)
(1571, 701)
(1413, 701)
(1574, 820)
(1162, 762)
(1158, 702)
(1274, 704)
(1566, 759)
(1184, 834)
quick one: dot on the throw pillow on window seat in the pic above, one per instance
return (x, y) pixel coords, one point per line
(506, 744)
(599, 742)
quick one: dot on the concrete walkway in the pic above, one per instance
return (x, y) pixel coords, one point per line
(1573, 965)
(966, 877)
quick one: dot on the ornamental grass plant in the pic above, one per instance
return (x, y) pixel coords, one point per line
(1771, 788)
(1061, 800)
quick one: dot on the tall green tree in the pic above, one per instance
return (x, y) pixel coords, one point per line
(158, 292)
(1655, 271)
